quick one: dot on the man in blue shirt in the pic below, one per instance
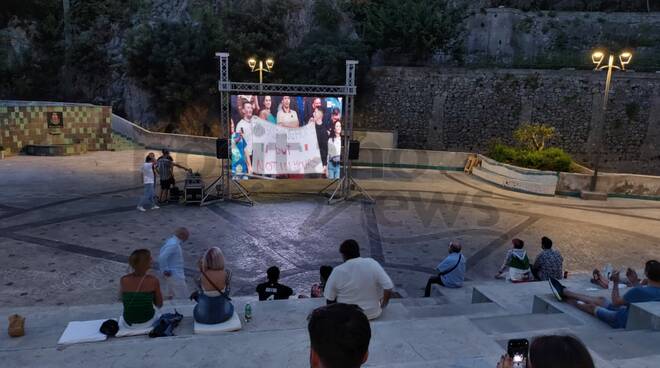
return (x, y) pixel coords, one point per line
(170, 262)
(615, 312)
(451, 269)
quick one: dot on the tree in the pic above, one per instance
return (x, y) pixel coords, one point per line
(174, 61)
(418, 28)
(323, 52)
(256, 28)
(534, 136)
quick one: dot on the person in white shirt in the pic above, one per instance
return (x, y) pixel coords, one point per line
(285, 116)
(148, 175)
(359, 280)
(334, 152)
(245, 125)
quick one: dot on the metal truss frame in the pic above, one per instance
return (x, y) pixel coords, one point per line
(347, 91)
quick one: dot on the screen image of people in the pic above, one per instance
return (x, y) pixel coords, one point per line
(286, 136)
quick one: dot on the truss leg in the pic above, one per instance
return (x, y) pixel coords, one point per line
(244, 196)
(361, 191)
(339, 188)
(211, 193)
(328, 186)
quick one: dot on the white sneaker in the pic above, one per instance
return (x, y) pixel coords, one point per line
(155, 207)
(141, 209)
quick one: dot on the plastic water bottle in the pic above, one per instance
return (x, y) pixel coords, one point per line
(248, 312)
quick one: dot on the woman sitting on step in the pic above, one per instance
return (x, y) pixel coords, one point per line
(213, 302)
(518, 263)
(139, 290)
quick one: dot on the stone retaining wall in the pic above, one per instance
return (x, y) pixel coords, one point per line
(466, 109)
(615, 185)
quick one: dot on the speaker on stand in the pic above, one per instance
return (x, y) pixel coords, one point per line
(222, 148)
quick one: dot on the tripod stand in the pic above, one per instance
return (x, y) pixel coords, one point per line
(345, 185)
(221, 189)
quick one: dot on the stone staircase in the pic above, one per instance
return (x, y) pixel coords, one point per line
(121, 143)
(462, 328)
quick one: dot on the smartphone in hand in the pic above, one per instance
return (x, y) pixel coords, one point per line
(517, 350)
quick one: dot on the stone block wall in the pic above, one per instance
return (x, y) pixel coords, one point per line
(466, 109)
(549, 39)
(25, 123)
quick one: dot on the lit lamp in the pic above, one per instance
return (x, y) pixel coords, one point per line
(597, 58)
(252, 63)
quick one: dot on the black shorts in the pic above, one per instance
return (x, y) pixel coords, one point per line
(166, 184)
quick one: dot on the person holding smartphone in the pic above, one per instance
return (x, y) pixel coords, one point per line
(553, 351)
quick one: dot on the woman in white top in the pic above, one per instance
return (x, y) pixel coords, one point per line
(148, 176)
(285, 116)
(334, 151)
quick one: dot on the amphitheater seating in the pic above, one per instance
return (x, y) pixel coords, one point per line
(463, 328)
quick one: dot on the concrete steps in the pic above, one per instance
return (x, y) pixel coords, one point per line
(524, 323)
(121, 143)
(461, 328)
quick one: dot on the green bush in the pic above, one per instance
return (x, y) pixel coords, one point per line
(417, 28)
(550, 159)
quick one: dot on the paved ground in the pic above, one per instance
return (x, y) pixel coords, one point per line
(67, 225)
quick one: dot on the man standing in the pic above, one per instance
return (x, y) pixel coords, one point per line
(245, 125)
(148, 179)
(339, 336)
(548, 263)
(286, 116)
(170, 262)
(451, 269)
(360, 281)
(165, 167)
(322, 135)
(614, 311)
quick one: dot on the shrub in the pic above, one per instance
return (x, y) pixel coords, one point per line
(551, 159)
(534, 136)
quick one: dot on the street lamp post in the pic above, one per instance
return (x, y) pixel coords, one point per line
(597, 58)
(252, 63)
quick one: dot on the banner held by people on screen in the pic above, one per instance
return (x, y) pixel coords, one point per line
(278, 150)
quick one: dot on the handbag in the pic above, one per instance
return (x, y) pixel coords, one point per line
(16, 325)
(166, 324)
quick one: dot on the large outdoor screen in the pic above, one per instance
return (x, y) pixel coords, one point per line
(286, 136)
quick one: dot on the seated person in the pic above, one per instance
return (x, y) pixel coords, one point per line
(549, 263)
(359, 280)
(213, 304)
(614, 312)
(339, 336)
(317, 289)
(271, 289)
(517, 261)
(140, 291)
(451, 271)
(602, 279)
